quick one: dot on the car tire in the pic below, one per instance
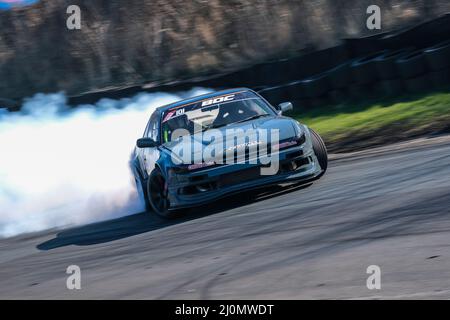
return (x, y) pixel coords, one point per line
(320, 150)
(157, 195)
(141, 187)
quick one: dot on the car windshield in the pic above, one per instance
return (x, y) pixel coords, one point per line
(212, 113)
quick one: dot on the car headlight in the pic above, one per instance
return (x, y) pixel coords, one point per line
(302, 130)
(301, 139)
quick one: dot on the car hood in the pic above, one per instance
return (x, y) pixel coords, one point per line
(286, 129)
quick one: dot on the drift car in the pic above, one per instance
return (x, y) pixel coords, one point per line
(167, 182)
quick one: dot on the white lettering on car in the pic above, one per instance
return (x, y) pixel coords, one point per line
(218, 100)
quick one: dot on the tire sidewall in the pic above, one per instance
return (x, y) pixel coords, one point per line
(320, 150)
(167, 214)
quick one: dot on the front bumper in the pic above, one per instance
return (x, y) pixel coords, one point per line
(295, 165)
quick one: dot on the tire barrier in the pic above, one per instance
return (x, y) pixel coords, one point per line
(313, 63)
(366, 45)
(411, 65)
(245, 77)
(386, 73)
(390, 88)
(424, 35)
(296, 91)
(438, 56)
(394, 42)
(364, 69)
(385, 65)
(341, 76)
(275, 95)
(345, 71)
(359, 91)
(267, 73)
(440, 78)
(9, 104)
(382, 65)
(337, 96)
(417, 84)
(316, 86)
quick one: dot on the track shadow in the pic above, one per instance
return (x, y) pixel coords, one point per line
(107, 231)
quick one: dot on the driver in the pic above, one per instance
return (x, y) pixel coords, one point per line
(233, 112)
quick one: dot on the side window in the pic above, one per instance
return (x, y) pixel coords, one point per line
(146, 129)
(153, 127)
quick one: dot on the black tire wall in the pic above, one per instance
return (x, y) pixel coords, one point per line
(315, 77)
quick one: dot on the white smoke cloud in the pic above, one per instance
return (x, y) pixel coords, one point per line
(62, 167)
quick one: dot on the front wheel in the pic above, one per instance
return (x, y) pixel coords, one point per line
(157, 191)
(320, 150)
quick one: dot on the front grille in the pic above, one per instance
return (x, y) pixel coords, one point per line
(254, 173)
(241, 176)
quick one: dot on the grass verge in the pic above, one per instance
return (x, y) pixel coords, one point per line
(350, 126)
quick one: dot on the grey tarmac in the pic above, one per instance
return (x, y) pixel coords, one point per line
(388, 206)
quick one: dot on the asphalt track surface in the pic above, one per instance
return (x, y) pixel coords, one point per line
(387, 207)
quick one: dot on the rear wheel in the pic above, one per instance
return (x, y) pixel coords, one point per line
(157, 191)
(320, 150)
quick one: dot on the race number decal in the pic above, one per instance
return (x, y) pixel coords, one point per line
(168, 116)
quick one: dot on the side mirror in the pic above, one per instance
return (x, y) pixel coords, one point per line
(285, 107)
(145, 143)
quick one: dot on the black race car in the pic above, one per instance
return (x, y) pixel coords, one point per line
(197, 150)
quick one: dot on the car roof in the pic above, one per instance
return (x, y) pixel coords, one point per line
(201, 97)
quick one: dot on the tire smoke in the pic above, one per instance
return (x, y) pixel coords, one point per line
(62, 167)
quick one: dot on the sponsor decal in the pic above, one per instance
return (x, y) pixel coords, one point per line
(242, 145)
(196, 166)
(177, 111)
(218, 100)
(168, 116)
(172, 114)
(286, 144)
